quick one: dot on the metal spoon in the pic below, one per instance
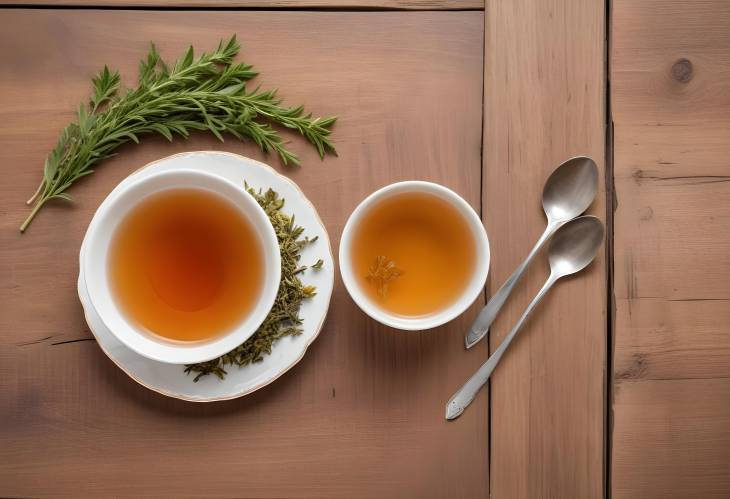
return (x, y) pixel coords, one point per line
(573, 247)
(568, 192)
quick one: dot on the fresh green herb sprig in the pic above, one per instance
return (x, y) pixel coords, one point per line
(204, 93)
(283, 319)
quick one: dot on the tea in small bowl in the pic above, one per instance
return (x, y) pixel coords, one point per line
(414, 255)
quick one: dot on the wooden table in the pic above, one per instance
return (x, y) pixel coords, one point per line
(617, 387)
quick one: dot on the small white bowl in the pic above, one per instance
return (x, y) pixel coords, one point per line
(472, 289)
(94, 263)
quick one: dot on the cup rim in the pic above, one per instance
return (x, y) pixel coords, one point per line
(471, 291)
(100, 233)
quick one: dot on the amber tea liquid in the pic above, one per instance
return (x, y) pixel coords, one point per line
(186, 265)
(428, 240)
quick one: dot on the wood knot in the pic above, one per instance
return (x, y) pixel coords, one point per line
(637, 175)
(646, 213)
(682, 70)
(636, 368)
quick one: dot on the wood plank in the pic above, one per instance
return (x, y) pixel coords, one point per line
(362, 414)
(672, 249)
(671, 439)
(544, 102)
(267, 4)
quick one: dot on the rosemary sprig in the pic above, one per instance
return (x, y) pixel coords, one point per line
(283, 319)
(204, 93)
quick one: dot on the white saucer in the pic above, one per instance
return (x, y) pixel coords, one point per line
(169, 379)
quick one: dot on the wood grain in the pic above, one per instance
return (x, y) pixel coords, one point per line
(362, 414)
(682, 428)
(267, 4)
(671, 375)
(544, 102)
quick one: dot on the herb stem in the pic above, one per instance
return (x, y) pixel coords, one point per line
(37, 192)
(33, 212)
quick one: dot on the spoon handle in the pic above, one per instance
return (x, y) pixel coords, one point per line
(487, 315)
(466, 393)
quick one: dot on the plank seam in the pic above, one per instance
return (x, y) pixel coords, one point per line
(678, 378)
(213, 8)
(610, 292)
(489, 276)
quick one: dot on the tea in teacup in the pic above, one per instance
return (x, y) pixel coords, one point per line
(185, 264)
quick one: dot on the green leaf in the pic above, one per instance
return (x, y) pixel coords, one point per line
(83, 117)
(130, 135)
(187, 61)
(49, 169)
(148, 67)
(325, 122)
(215, 131)
(233, 89)
(106, 84)
(62, 195)
(162, 130)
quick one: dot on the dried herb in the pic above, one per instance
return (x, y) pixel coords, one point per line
(382, 272)
(204, 93)
(283, 319)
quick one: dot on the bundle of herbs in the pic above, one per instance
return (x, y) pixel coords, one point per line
(204, 93)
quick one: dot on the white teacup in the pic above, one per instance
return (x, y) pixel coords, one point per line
(471, 290)
(94, 261)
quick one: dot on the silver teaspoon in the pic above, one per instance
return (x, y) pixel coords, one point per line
(568, 192)
(572, 248)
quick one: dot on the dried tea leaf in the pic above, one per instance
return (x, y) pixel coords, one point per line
(283, 319)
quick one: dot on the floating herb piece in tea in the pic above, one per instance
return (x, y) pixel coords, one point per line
(283, 319)
(204, 93)
(382, 272)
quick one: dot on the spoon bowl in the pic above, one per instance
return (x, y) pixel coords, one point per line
(575, 245)
(570, 189)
